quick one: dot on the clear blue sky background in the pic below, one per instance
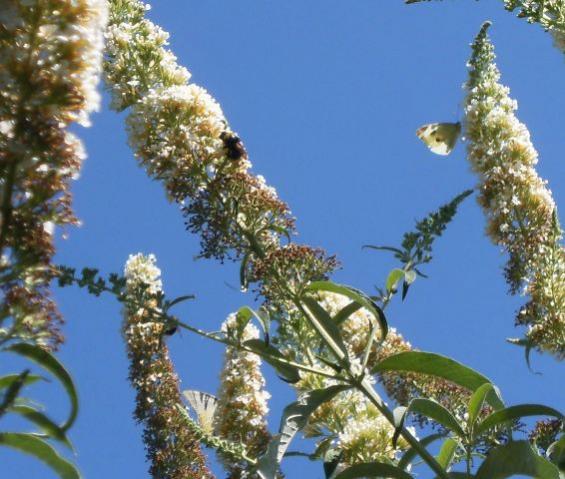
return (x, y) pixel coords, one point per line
(327, 96)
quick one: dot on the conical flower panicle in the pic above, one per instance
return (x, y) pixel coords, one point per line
(50, 63)
(241, 414)
(172, 449)
(180, 135)
(521, 213)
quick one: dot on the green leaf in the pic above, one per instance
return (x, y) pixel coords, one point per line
(412, 453)
(178, 300)
(38, 448)
(271, 355)
(516, 458)
(384, 248)
(294, 418)
(512, 413)
(457, 475)
(49, 427)
(346, 312)
(326, 322)
(528, 345)
(243, 272)
(405, 288)
(556, 453)
(447, 453)
(355, 295)
(373, 469)
(9, 379)
(477, 402)
(13, 391)
(393, 278)
(332, 458)
(438, 366)
(435, 411)
(51, 364)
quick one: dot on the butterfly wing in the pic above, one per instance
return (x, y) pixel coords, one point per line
(440, 138)
(204, 406)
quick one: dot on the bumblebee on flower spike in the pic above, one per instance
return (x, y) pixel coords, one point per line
(440, 138)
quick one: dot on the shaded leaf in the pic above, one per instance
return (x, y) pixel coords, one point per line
(49, 427)
(332, 458)
(477, 401)
(346, 312)
(412, 453)
(294, 418)
(271, 355)
(436, 412)
(556, 453)
(373, 469)
(436, 365)
(512, 413)
(8, 380)
(326, 322)
(51, 364)
(355, 295)
(179, 300)
(34, 446)
(447, 452)
(516, 458)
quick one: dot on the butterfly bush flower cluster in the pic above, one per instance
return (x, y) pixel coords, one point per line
(352, 412)
(172, 449)
(353, 425)
(549, 13)
(180, 135)
(520, 210)
(241, 414)
(50, 63)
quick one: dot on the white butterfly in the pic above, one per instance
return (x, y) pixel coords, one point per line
(440, 137)
(204, 406)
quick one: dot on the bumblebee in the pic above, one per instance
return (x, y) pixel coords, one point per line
(233, 146)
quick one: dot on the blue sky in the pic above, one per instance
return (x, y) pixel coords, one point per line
(327, 96)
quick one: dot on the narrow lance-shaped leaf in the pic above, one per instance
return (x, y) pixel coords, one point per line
(326, 322)
(393, 278)
(34, 446)
(49, 427)
(556, 453)
(294, 418)
(516, 458)
(412, 453)
(504, 416)
(275, 358)
(436, 365)
(373, 469)
(355, 295)
(434, 411)
(51, 364)
(346, 312)
(447, 453)
(9, 379)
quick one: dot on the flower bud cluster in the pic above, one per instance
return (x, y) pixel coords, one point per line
(173, 450)
(520, 210)
(50, 62)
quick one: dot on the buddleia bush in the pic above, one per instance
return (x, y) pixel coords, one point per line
(369, 401)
